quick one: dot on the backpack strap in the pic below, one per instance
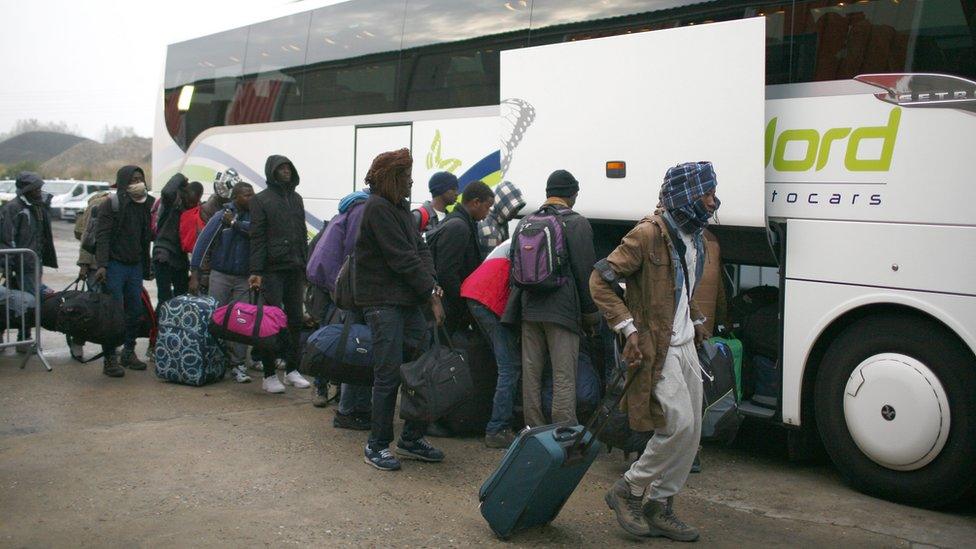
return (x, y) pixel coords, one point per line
(114, 198)
(424, 217)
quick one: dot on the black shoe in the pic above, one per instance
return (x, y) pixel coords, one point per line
(350, 421)
(501, 439)
(111, 367)
(439, 430)
(420, 450)
(131, 361)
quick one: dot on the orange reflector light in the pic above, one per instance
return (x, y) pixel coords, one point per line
(616, 169)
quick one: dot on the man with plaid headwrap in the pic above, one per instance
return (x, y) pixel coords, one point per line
(661, 260)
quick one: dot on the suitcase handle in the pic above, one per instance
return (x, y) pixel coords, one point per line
(564, 434)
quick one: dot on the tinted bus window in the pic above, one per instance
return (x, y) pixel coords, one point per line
(353, 54)
(271, 90)
(835, 41)
(451, 50)
(569, 20)
(212, 65)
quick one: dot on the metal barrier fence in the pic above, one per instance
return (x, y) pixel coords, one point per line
(18, 304)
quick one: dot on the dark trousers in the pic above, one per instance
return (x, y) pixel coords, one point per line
(284, 289)
(170, 282)
(394, 329)
(124, 282)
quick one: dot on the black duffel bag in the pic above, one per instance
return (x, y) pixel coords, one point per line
(85, 315)
(434, 384)
(720, 413)
(341, 353)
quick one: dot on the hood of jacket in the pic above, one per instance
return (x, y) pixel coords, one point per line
(508, 201)
(272, 164)
(27, 182)
(124, 175)
(351, 199)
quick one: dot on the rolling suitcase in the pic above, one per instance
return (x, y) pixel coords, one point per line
(186, 352)
(541, 469)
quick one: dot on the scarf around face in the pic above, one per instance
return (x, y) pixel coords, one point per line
(682, 192)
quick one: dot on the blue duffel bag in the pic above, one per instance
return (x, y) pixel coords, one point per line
(341, 353)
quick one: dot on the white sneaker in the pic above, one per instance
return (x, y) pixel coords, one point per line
(294, 378)
(240, 374)
(272, 385)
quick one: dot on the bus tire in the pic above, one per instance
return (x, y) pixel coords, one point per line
(875, 367)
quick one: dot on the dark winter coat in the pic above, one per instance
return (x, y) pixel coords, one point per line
(124, 235)
(393, 265)
(26, 225)
(167, 245)
(279, 238)
(456, 254)
(570, 303)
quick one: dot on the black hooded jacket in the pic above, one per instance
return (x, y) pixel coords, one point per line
(124, 235)
(279, 239)
(167, 246)
(25, 225)
(454, 247)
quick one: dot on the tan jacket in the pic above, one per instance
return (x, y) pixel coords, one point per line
(643, 259)
(85, 258)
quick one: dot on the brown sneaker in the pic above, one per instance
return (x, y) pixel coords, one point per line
(111, 367)
(131, 361)
(628, 508)
(662, 522)
(501, 439)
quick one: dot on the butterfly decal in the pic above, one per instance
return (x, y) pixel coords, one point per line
(434, 159)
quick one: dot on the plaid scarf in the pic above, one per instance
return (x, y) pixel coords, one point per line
(682, 192)
(493, 230)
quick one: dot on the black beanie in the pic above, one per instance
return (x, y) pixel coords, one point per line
(562, 184)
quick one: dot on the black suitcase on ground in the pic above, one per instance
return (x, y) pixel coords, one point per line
(472, 415)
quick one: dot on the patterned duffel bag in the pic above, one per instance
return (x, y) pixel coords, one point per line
(185, 351)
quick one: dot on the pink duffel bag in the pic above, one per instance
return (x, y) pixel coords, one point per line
(250, 322)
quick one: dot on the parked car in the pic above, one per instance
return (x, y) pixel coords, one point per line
(8, 190)
(71, 196)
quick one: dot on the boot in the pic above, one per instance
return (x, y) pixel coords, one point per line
(111, 367)
(627, 507)
(662, 522)
(131, 361)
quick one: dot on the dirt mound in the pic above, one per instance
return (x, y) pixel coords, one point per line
(37, 146)
(95, 161)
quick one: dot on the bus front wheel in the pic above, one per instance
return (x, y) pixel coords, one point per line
(895, 401)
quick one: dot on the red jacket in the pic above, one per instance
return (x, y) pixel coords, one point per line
(488, 284)
(190, 226)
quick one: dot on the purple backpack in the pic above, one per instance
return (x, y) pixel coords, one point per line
(539, 251)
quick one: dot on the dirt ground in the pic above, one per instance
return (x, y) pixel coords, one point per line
(87, 460)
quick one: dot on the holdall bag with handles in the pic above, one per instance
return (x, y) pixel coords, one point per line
(251, 323)
(342, 353)
(542, 468)
(435, 383)
(84, 314)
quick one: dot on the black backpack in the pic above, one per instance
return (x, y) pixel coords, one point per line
(617, 432)
(720, 413)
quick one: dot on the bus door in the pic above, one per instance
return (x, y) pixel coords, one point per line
(376, 139)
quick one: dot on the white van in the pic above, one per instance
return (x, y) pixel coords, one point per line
(71, 196)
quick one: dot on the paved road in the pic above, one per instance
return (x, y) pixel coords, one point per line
(88, 460)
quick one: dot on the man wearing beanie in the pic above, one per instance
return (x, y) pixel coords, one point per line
(552, 321)
(661, 260)
(444, 192)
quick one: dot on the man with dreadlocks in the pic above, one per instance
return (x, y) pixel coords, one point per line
(394, 279)
(661, 261)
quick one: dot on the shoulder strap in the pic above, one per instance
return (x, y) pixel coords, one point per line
(114, 197)
(424, 217)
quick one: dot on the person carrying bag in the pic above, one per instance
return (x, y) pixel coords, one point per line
(251, 323)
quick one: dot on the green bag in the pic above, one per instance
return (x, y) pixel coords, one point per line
(736, 347)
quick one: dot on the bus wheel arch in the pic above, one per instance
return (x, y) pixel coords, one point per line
(919, 349)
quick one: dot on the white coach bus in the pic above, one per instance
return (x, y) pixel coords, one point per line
(863, 221)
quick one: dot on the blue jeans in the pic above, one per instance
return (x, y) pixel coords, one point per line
(124, 282)
(508, 356)
(393, 327)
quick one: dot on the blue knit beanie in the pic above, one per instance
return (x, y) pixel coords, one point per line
(441, 182)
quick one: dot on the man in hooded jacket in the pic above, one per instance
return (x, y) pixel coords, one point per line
(279, 251)
(493, 229)
(169, 260)
(122, 256)
(25, 222)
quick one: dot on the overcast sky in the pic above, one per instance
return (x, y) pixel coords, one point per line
(97, 62)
